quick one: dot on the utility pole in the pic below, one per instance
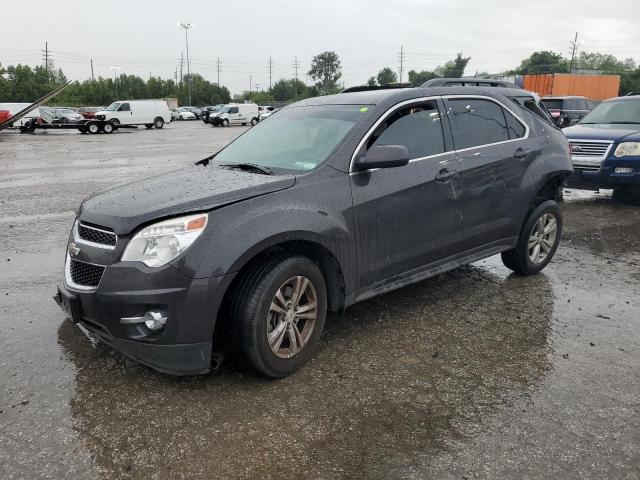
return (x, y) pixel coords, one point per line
(257, 87)
(218, 68)
(47, 61)
(186, 27)
(270, 71)
(296, 66)
(93, 79)
(250, 86)
(574, 50)
(181, 65)
(115, 80)
(176, 75)
(401, 63)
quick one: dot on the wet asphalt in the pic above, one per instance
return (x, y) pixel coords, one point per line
(476, 373)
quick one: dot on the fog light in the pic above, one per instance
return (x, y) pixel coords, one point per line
(623, 170)
(154, 320)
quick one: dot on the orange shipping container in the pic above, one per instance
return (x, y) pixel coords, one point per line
(596, 87)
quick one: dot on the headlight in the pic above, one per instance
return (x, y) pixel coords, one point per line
(158, 244)
(628, 149)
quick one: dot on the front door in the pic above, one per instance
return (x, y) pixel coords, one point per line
(405, 217)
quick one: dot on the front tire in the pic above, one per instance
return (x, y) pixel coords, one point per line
(225, 123)
(280, 309)
(538, 240)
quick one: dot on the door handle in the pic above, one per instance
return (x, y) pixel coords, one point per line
(521, 152)
(445, 175)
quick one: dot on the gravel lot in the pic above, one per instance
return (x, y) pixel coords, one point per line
(473, 374)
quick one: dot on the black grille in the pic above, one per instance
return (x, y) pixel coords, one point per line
(91, 234)
(85, 274)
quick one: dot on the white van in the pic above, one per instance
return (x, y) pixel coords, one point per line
(236, 114)
(150, 113)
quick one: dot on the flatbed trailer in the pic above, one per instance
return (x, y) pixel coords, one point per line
(93, 126)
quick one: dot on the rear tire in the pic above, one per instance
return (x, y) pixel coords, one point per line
(280, 330)
(254, 122)
(538, 240)
(107, 127)
(158, 122)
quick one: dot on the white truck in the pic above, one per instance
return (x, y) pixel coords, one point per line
(150, 113)
(235, 114)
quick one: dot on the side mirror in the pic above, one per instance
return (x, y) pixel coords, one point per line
(383, 156)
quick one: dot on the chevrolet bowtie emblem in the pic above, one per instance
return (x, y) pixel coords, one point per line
(73, 249)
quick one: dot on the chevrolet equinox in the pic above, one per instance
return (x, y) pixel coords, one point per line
(328, 202)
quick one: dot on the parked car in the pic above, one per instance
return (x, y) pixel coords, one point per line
(332, 201)
(207, 111)
(89, 112)
(183, 113)
(605, 147)
(235, 114)
(150, 113)
(195, 110)
(265, 108)
(4, 115)
(15, 108)
(66, 115)
(568, 111)
(267, 114)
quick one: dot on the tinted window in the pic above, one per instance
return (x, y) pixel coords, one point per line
(583, 105)
(124, 108)
(476, 122)
(233, 110)
(516, 128)
(418, 127)
(552, 103)
(572, 104)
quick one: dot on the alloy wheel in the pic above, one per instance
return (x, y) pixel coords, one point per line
(542, 238)
(292, 317)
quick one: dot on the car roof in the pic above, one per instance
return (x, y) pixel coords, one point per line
(626, 98)
(489, 82)
(375, 97)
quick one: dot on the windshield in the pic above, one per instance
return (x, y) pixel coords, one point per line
(296, 139)
(113, 107)
(620, 111)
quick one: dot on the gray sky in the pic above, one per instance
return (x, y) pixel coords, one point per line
(141, 36)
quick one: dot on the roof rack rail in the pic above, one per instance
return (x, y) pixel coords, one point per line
(366, 88)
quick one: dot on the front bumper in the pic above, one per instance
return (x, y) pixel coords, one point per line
(129, 289)
(605, 176)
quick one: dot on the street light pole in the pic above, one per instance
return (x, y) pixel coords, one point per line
(115, 74)
(186, 27)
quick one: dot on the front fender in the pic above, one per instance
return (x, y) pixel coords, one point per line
(317, 211)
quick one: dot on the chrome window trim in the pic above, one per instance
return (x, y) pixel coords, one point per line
(76, 236)
(73, 285)
(404, 103)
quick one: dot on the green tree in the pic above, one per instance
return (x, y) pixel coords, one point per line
(372, 82)
(326, 70)
(630, 82)
(288, 90)
(387, 76)
(604, 62)
(543, 62)
(418, 78)
(453, 68)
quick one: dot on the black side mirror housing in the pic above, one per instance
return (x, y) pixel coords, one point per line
(383, 156)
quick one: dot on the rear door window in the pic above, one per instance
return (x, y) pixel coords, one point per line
(476, 122)
(417, 127)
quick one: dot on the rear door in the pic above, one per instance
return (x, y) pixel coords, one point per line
(406, 217)
(494, 152)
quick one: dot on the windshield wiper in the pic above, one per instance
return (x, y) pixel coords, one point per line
(248, 166)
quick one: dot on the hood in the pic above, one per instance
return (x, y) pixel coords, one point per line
(603, 131)
(191, 189)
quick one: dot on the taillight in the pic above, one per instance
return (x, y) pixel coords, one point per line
(555, 114)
